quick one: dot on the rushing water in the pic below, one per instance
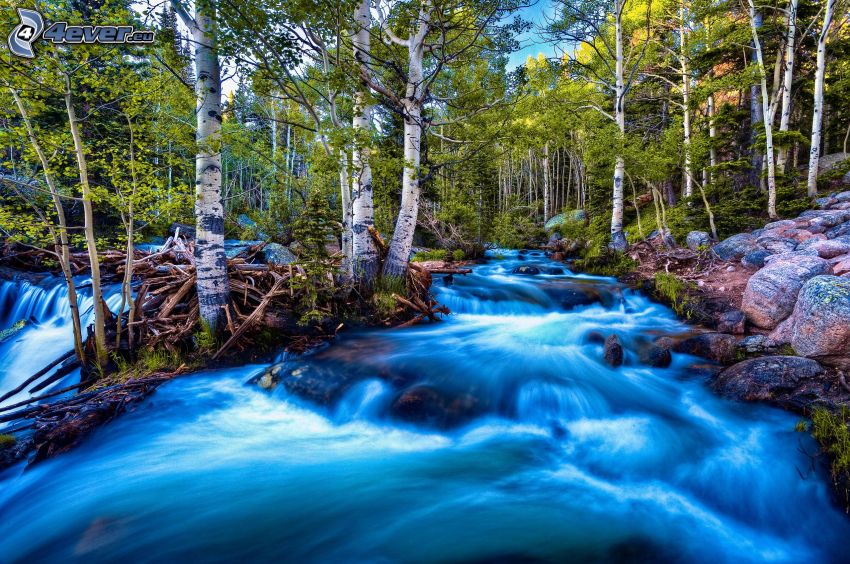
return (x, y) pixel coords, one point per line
(552, 455)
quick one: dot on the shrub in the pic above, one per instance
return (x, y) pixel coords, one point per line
(433, 254)
(458, 255)
(7, 441)
(675, 291)
(830, 430)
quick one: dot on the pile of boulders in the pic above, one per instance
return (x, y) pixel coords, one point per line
(799, 292)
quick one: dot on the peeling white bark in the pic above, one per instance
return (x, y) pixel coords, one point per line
(817, 113)
(787, 79)
(618, 238)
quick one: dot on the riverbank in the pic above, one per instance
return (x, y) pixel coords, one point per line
(774, 305)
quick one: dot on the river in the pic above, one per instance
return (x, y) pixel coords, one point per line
(541, 453)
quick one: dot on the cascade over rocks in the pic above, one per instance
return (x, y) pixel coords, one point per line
(719, 347)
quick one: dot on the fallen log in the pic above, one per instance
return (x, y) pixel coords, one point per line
(449, 270)
(36, 376)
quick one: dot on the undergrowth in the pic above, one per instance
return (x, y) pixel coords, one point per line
(6, 441)
(675, 291)
(830, 430)
(385, 303)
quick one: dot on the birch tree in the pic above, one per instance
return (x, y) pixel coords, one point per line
(787, 78)
(767, 120)
(210, 260)
(613, 67)
(817, 104)
(366, 261)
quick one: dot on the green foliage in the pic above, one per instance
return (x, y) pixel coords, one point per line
(830, 430)
(606, 263)
(205, 338)
(7, 441)
(154, 360)
(433, 254)
(514, 229)
(383, 299)
(676, 292)
(6, 334)
(458, 255)
(313, 229)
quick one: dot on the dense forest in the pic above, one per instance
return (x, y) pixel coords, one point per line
(266, 175)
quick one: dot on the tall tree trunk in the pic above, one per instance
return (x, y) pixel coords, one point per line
(712, 134)
(765, 107)
(618, 238)
(546, 210)
(402, 241)
(756, 112)
(88, 215)
(211, 263)
(686, 99)
(61, 245)
(787, 80)
(817, 113)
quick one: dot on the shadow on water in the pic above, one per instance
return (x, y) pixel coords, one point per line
(498, 435)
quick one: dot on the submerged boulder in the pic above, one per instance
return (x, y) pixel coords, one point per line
(613, 351)
(428, 405)
(820, 323)
(526, 270)
(763, 378)
(655, 355)
(772, 291)
(719, 347)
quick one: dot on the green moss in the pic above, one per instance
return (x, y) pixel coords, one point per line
(7, 441)
(205, 338)
(676, 291)
(606, 263)
(435, 254)
(830, 430)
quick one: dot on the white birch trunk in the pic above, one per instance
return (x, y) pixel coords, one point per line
(402, 241)
(618, 238)
(765, 107)
(211, 263)
(817, 113)
(88, 216)
(345, 193)
(366, 260)
(712, 134)
(686, 98)
(787, 79)
(546, 210)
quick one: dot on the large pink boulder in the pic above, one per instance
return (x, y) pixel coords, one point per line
(820, 323)
(772, 291)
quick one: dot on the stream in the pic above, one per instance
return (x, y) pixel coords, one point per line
(529, 447)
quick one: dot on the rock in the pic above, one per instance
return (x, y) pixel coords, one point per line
(826, 202)
(730, 268)
(613, 351)
(554, 238)
(233, 247)
(571, 216)
(791, 256)
(843, 196)
(187, 231)
(735, 246)
(821, 318)
(781, 224)
(16, 327)
(275, 253)
(316, 383)
(830, 248)
(526, 270)
(755, 259)
(782, 333)
(772, 291)
(594, 338)
(719, 347)
(269, 378)
(430, 406)
(758, 344)
(655, 355)
(838, 231)
(732, 322)
(829, 218)
(697, 239)
(763, 378)
(841, 268)
(247, 223)
(810, 239)
(777, 244)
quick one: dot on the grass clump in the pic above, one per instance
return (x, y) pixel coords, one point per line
(7, 441)
(385, 303)
(676, 291)
(434, 254)
(159, 359)
(830, 430)
(458, 255)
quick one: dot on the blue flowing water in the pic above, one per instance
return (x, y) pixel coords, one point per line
(548, 455)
